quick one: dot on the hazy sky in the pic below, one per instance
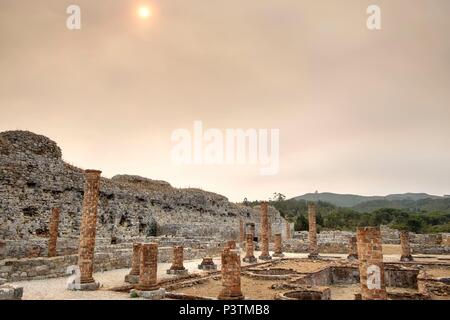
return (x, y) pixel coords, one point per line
(359, 111)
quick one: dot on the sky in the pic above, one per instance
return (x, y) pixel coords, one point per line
(358, 111)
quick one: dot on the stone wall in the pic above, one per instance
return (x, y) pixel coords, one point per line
(34, 179)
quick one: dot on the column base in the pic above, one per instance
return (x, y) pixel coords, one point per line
(177, 271)
(90, 286)
(207, 266)
(265, 257)
(406, 258)
(132, 278)
(250, 259)
(278, 255)
(352, 257)
(240, 297)
(158, 294)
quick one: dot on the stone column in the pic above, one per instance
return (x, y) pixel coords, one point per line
(249, 256)
(231, 276)
(371, 268)
(269, 232)
(278, 246)
(312, 235)
(133, 276)
(88, 230)
(53, 228)
(352, 248)
(177, 262)
(288, 230)
(250, 228)
(148, 283)
(241, 231)
(406, 247)
(264, 233)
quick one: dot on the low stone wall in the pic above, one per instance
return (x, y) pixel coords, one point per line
(110, 258)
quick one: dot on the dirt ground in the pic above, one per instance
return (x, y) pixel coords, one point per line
(302, 266)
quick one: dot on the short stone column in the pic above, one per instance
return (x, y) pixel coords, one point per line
(177, 262)
(371, 267)
(288, 231)
(207, 264)
(406, 247)
(88, 231)
(278, 251)
(312, 234)
(133, 276)
(241, 231)
(250, 228)
(53, 229)
(249, 246)
(352, 249)
(231, 275)
(264, 233)
(148, 287)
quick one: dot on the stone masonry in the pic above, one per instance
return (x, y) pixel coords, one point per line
(53, 229)
(406, 247)
(177, 263)
(371, 267)
(133, 276)
(312, 234)
(278, 251)
(249, 256)
(88, 230)
(264, 233)
(231, 275)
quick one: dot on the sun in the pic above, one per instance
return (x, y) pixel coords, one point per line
(144, 12)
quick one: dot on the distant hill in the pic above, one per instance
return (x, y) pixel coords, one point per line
(360, 203)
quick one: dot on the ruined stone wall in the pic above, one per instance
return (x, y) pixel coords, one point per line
(34, 179)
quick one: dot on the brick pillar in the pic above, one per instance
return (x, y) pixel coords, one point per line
(371, 268)
(133, 276)
(352, 248)
(278, 246)
(250, 255)
(88, 229)
(288, 230)
(264, 233)
(406, 247)
(231, 275)
(148, 267)
(53, 228)
(312, 235)
(241, 231)
(177, 262)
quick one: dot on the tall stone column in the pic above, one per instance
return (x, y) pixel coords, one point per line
(148, 283)
(406, 247)
(278, 246)
(133, 276)
(53, 228)
(231, 275)
(288, 231)
(352, 248)
(177, 262)
(264, 233)
(371, 267)
(312, 235)
(88, 230)
(250, 255)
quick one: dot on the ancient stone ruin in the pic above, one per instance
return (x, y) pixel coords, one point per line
(72, 228)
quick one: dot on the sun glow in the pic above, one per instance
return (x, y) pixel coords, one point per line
(144, 12)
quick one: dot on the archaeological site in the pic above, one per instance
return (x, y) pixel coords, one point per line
(68, 233)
